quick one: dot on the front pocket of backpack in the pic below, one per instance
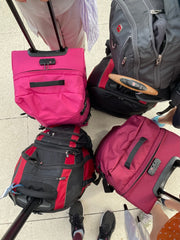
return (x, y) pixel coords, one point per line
(48, 95)
(124, 58)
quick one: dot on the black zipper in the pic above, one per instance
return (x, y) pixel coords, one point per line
(52, 131)
(133, 36)
(48, 178)
(59, 148)
(49, 134)
(85, 106)
(55, 69)
(41, 165)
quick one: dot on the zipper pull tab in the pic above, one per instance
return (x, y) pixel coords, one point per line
(124, 61)
(61, 178)
(10, 189)
(72, 152)
(158, 60)
(84, 108)
(67, 154)
(155, 11)
(113, 44)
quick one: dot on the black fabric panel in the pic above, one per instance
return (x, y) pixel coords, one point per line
(115, 105)
(33, 175)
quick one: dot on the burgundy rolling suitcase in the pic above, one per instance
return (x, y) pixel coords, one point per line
(136, 159)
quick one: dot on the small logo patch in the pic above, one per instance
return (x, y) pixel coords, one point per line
(119, 28)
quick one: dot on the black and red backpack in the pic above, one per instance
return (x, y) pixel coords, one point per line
(56, 168)
(109, 96)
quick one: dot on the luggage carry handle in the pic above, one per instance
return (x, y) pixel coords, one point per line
(133, 152)
(159, 186)
(33, 51)
(133, 84)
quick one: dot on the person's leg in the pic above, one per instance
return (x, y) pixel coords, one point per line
(176, 118)
(159, 219)
(76, 219)
(71, 27)
(167, 118)
(171, 204)
(107, 226)
(40, 24)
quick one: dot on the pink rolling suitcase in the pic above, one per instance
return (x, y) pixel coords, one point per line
(136, 159)
(50, 86)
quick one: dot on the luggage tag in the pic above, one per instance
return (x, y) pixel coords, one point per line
(10, 189)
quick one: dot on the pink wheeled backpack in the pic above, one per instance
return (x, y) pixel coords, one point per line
(136, 159)
(52, 89)
(50, 86)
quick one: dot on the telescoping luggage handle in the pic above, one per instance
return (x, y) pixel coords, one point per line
(159, 186)
(33, 51)
(21, 219)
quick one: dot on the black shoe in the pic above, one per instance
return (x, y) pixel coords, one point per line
(76, 217)
(107, 226)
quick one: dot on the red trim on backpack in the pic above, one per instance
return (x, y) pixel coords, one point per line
(72, 144)
(20, 171)
(30, 150)
(40, 137)
(74, 137)
(143, 102)
(88, 168)
(61, 189)
(70, 159)
(107, 71)
(76, 129)
(85, 152)
(47, 130)
(18, 163)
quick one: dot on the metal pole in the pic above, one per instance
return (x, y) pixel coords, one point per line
(51, 11)
(21, 219)
(161, 191)
(21, 24)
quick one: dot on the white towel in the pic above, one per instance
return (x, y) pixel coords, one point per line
(89, 15)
